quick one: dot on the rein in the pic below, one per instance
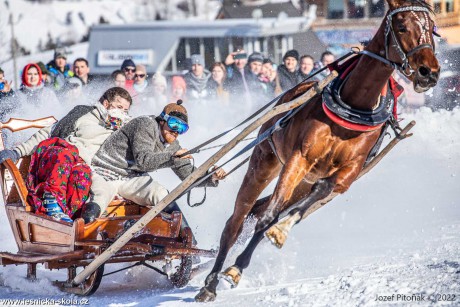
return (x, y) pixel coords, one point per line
(198, 148)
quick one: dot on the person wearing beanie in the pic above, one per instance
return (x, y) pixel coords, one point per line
(47, 80)
(291, 54)
(160, 86)
(178, 88)
(255, 61)
(197, 79)
(288, 74)
(129, 69)
(59, 70)
(146, 144)
(140, 86)
(256, 89)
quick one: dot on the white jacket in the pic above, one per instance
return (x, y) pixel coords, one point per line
(87, 135)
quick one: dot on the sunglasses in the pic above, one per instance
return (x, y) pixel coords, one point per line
(175, 124)
(139, 76)
(130, 69)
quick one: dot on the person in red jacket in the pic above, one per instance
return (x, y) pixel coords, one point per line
(129, 69)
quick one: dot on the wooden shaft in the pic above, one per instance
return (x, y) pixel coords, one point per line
(200, 171)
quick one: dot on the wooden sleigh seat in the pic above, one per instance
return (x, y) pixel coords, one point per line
(40, 234)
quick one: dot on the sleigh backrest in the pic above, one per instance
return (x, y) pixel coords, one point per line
(12, 176)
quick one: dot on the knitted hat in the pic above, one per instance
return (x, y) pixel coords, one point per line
(74, 82)
(178, 81)
(177, 110)
(256, 57)
(267, 60)
(60, 53)
(43, 68)
(141, 68)
(291, 53)
(197, 59)
(127, 63)
(159, 79)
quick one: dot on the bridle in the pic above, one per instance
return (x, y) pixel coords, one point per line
(425, 41)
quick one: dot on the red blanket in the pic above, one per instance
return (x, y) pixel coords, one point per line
(56, 167)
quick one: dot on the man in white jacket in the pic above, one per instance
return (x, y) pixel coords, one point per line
(85, 127)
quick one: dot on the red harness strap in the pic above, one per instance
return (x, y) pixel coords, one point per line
(348, 125)
(344, 69)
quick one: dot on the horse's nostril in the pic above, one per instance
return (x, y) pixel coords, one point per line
(424, 71)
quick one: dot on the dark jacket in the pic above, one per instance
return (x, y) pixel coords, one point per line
(288, 79)
(236, 84)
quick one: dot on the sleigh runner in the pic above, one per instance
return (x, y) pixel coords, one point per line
(60, 245)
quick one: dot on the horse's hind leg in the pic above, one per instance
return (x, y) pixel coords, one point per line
(300, 192)
(292, 174)
(277, 234)
(263, 168)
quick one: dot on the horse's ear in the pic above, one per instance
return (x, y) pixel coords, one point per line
(393, 4)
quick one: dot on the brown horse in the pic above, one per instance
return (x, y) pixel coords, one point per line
(313, 156)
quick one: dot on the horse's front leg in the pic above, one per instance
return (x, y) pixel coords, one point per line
(263, 168)
(321, 192)
(293, 172)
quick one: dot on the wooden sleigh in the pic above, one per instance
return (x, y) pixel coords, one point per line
(60, 245)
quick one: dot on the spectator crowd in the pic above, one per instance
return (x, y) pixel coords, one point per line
(98, 150)
(252, 79)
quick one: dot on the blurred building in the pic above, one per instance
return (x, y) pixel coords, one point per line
(305, 42)
(344, 23)
(165, 46)
(349, 21)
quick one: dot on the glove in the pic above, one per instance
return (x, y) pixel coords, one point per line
(9, 154)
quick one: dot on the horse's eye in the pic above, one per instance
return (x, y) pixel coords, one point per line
(402, 29)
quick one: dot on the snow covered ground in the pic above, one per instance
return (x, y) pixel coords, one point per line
(396, 232)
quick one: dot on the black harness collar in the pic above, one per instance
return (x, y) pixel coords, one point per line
(333, 101)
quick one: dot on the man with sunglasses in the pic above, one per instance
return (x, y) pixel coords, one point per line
(129, 69)
(145, 144)
(142, 90)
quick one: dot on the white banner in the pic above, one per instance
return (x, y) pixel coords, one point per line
(116, 57)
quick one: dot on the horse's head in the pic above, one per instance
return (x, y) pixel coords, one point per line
(409, 41)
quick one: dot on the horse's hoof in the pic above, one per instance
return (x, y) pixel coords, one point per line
(276, 236)
(205, 296)
(232, 275)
